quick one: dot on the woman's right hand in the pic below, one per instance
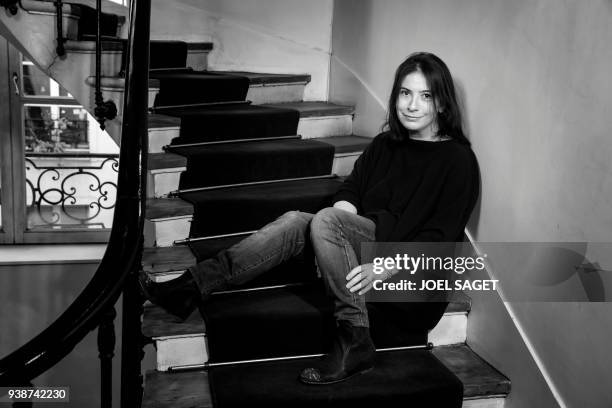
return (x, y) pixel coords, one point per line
(346, 206)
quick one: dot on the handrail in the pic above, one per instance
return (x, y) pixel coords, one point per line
(122, 256)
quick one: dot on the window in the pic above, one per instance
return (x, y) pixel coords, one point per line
(58, 169)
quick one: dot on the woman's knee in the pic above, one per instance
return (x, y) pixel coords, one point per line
(294, 219)
(323, 221)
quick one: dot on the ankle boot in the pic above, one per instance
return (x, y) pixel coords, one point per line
(352, 353)
(178, 296)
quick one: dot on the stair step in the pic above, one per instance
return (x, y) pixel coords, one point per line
(170, 219)
(317, 120)
(83, 52)
(483, 386)
(165, 169)
(224, 164)
(79, 17)
(171, 335)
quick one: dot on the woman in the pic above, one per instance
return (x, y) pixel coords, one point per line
(417, 181)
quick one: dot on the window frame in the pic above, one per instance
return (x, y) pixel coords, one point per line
(12, 149)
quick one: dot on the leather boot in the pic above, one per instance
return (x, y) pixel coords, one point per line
(178, 296)
(352, 353)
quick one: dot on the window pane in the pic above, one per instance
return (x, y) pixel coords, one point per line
(37, 83)
(55, 128)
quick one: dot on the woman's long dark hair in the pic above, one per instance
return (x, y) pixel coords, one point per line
(442, 87)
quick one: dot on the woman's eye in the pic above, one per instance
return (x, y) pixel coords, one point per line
(403, 92)
(427, 97)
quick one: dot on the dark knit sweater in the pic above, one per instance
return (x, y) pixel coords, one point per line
(414, 190)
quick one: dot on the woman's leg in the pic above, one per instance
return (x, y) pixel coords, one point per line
(274, 243)
(336, 237)
(271, 245)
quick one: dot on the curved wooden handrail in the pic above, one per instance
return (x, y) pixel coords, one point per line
(122, 255)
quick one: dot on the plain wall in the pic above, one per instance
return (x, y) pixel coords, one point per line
(534, 77)
(272, 36)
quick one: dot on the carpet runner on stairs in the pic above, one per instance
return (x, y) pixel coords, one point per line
(87, 26)
(297, 320)
(293, 319)
(185, 86)
(234, 122)
(248, 208)
(254, 161)
(409, 378)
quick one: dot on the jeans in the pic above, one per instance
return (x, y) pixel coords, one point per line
(336, 236)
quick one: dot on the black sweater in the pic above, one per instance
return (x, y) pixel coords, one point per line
(414, 190)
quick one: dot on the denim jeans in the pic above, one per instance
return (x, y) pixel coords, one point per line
(336, 236)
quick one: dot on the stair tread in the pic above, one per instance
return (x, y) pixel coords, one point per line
(189, 389)
(159, 121)
(159, 323)
(479, 378)
(347, 144)
(88, 43)
(306, 109)
(160, 208)
(257, 78)
(342, 145)
(166, 160)
(314, 109)
(167, 259)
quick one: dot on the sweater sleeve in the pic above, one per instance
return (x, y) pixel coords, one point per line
(352, 188)
(452, 210)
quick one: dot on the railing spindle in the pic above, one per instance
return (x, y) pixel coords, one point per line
(106, 349)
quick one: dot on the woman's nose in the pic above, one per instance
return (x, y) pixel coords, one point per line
(412, 104)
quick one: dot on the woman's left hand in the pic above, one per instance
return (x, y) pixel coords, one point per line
(361, 278)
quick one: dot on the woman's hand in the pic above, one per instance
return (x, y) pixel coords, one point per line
(362, 277)
(346, 206)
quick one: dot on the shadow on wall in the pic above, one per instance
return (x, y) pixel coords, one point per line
(33, 296)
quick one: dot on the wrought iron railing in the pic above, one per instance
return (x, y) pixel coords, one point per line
(118, 271)
(63, 192)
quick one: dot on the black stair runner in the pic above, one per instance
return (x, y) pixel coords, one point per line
(251, 207)
(248, 162)
(400, 379)
(234, 122)
(295, 319)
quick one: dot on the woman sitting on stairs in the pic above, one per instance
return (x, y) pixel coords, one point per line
(417, 181)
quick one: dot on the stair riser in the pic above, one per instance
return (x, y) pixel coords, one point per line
(85, 62)
(180, 351)
(451, 329)
(162, 182)
(324, 126)
(484, 403)
(308, 128)
(164, 233)
(187, 350)
(276, 93)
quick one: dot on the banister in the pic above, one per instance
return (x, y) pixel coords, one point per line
(122, 257)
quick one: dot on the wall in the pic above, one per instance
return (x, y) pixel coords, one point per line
(273, 36)
(33, 296)
(534, 78)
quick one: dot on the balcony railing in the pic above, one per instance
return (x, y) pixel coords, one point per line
(71, 190)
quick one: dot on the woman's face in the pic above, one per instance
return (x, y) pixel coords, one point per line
(415, 107)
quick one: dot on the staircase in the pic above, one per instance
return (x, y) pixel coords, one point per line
(230, 152)
(183, 227)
